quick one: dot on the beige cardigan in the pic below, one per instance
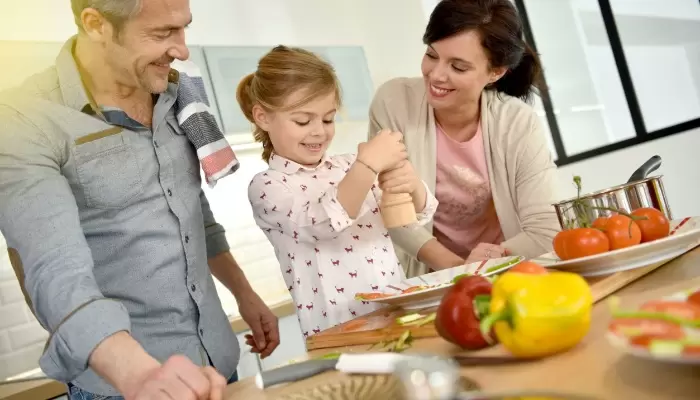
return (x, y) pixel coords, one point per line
(521, 169)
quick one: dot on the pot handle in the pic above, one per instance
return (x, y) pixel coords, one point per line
(648, 167)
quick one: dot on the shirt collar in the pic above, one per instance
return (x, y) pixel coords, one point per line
(282, 164)
(71, 83)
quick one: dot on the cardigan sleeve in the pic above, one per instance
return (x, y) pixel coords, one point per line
(389, 111)
(535, 192)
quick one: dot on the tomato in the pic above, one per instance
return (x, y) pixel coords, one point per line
(621, 231)
(580, 242)
(528, 267)
(694, 298)
(655, 226)
(678, 309)
(660, 329)
(559, 243)
(457, 316)
(600, 223)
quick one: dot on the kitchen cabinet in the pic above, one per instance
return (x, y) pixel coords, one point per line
(292, 344)
(248, 364)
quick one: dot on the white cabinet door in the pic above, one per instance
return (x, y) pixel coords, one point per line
(248, 365)
(292, 345)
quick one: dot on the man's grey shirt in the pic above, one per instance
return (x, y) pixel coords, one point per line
(111, 225)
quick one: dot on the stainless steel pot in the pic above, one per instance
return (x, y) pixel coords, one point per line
(640, 191)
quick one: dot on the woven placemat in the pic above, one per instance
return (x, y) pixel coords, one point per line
(362, 387)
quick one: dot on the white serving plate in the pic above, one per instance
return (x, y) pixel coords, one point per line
(431, 297)
(639, 256)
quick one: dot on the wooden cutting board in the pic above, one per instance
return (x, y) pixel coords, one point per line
(381, 324)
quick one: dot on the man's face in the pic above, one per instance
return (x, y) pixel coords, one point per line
(140, 55)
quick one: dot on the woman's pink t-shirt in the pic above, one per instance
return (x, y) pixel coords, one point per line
(466, 215)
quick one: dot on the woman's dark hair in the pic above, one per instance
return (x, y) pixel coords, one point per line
(498, 24)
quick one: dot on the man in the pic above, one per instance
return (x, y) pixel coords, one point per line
(101, 201)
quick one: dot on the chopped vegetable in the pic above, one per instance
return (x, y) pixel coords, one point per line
(539, 315)
(459, 312)
(414, 289)
(460, 276)
(408, 318)
(679, 313)
(646, 329)
(503, 265)
(398, 345)
(371, 296)
(329, 356)
(415, 319)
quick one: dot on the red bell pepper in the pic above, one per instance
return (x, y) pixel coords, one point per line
(461, 308)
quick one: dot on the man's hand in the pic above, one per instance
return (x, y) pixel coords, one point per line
(138, 376)
(262, 322)
(179, 378)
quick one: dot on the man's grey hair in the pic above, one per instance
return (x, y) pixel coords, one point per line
(117, 12)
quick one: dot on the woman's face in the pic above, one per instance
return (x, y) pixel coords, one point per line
(456, 70)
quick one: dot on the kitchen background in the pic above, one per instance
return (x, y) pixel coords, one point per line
(371, 41)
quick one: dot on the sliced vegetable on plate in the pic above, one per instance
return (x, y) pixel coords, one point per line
(429, 288)
(665, 329)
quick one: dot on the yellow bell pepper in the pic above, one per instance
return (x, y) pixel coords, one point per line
(539, 315)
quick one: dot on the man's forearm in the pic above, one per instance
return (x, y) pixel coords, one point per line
(225, 268)
(437, 256)
(122, 362)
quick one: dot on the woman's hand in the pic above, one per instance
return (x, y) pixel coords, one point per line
(485, 251)
(402, 179)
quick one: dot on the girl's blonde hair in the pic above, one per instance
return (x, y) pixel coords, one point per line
(282, 72)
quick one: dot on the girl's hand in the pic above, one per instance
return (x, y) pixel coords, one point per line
(402, 179)
(382, 152)
(485, 251)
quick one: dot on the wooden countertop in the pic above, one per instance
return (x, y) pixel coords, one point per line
(593, 368)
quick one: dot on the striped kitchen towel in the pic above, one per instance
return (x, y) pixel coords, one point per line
(216, 157)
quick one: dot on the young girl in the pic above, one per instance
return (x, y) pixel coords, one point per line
(320, 211)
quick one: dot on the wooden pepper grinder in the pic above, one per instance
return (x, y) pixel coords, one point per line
(397, 210)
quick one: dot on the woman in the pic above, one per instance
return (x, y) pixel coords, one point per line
(473, 139)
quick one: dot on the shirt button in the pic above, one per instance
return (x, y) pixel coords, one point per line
(193, 287)
(187, 239)
(201, 331)
(155, 143)
(170, 193)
